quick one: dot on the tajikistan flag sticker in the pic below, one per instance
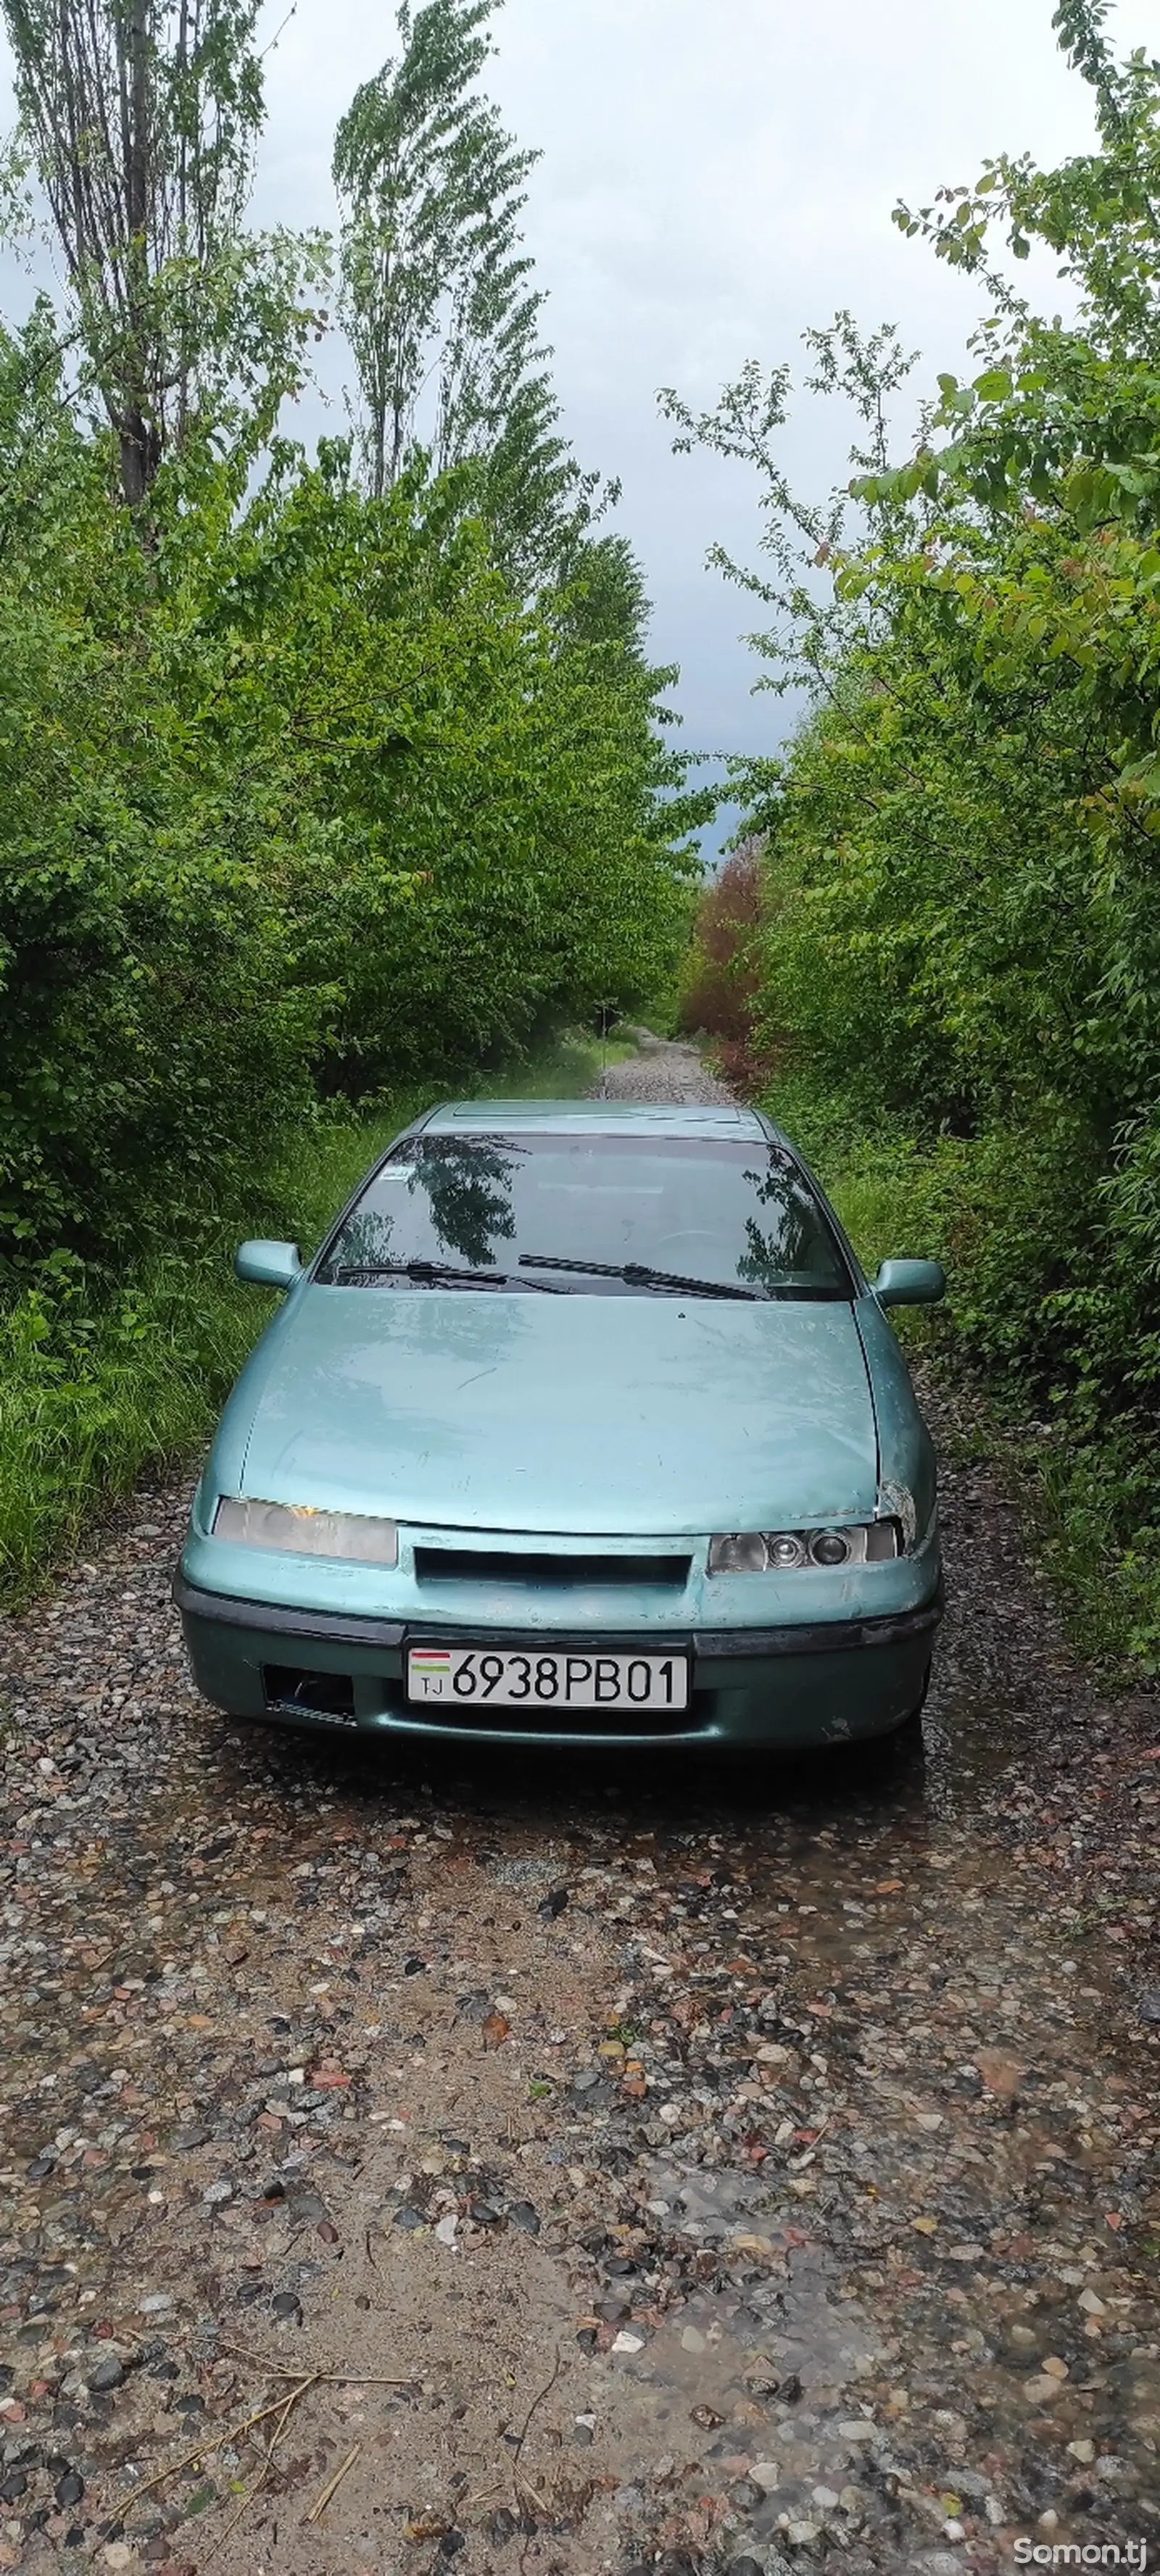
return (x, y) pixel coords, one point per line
(430, 1667)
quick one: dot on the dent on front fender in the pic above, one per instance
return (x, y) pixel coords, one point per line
(906, 1460)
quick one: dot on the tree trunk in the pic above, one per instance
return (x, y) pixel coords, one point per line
(140, 456)
(139, 435)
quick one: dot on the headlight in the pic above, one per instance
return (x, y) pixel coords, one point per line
(294, 1527)
(777, 1551)
(738, 1555)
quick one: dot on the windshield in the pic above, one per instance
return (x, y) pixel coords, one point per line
(674, 1213)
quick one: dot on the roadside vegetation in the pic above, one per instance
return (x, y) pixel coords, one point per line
(97, 1388)
(325, 780)
(945, 940)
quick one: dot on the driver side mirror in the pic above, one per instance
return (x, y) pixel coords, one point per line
(910, 1283)
(268, 1265)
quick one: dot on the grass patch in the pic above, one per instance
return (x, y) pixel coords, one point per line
(97, 1391)
(571, 1066)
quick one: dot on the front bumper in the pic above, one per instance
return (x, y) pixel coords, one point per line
(791, 1686)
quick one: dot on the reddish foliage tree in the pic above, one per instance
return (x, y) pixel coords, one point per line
(725, 970)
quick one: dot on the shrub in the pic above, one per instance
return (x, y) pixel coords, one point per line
(722, 976)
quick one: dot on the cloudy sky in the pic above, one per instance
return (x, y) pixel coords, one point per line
(717, 174)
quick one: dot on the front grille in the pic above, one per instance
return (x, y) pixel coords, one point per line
(534, 1571)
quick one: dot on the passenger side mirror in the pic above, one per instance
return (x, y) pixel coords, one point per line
(268, 1265)
(910, 1283)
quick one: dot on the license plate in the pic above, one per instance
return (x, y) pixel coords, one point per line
(509, 1677)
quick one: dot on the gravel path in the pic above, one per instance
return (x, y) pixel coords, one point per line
(587, 2169)
(662, 1070)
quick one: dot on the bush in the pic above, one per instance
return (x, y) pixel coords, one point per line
(722, 974)
(306, 802)
(100, 1383)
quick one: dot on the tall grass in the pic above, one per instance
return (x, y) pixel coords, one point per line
(97, 1390)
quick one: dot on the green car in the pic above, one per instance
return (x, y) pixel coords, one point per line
(584, 1425)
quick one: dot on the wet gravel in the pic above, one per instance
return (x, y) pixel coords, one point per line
(564, 2167)
(661, 1071)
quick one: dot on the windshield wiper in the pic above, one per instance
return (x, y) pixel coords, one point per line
(639, 1275)
(440, 1272)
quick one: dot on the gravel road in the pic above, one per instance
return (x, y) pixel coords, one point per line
(661, 1071)
(549, 2169)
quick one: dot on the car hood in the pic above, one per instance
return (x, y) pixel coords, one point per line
(568, 1413)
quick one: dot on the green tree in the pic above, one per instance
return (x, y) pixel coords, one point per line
(439, 298)
(348, 811)
(141, 118)
(961, 838)
(1098, 212)
(604, 601)
(430, 186)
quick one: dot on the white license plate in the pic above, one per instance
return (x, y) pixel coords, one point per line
(513, 1677)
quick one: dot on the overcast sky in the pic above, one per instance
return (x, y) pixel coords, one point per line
(717, 174)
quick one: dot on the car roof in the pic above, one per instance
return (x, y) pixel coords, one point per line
(724, 1119)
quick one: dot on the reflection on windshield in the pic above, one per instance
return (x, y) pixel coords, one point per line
(783, 1244)
(724, 1214)
(464, 1206)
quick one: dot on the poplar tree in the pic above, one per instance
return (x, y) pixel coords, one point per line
(141, 119)
(439, 298)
